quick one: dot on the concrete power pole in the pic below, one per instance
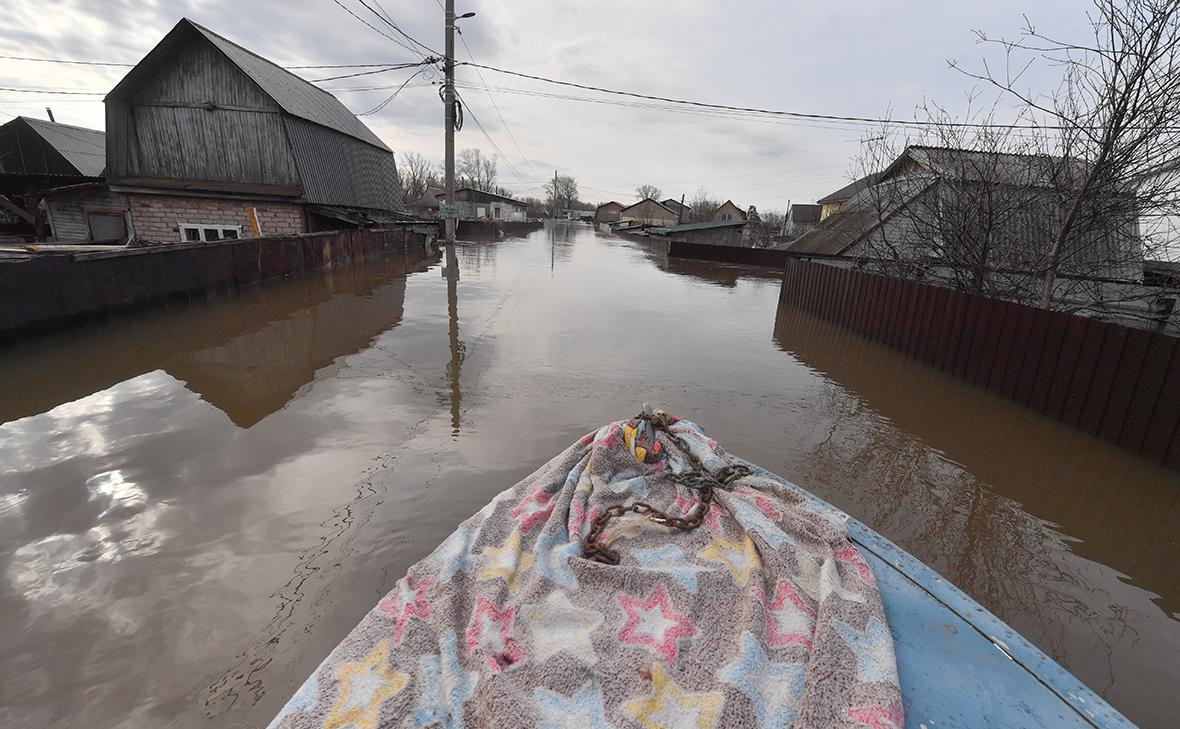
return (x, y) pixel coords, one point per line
(449, 118)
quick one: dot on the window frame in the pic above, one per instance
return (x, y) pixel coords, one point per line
(106, 213)
(221, 228)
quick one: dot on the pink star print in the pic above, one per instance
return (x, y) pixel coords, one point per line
(580, 516)
(851, 555)
(879, 717)
(789, 619)
(533, 509)
(712, 519)
(490, 633)
(406, 601)
(652, 622)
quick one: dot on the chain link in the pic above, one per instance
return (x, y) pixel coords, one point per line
(698, 479)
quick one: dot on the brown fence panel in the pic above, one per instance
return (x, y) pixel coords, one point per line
(1146, 394)
(1123, 385)
(1165, 423)
(1046, 369)
(1084, 369)
(1119, 383)
(1067, 365)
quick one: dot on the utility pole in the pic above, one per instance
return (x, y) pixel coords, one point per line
(680, 212)
(555, 194)
(449, 118)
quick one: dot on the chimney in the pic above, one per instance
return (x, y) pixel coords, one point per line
(50, 113)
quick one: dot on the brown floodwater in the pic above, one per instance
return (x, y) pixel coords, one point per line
(197, 502)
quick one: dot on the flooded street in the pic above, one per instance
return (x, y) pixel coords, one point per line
(198, 502)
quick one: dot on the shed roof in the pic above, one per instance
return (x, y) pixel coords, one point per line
(612, 202)
(858, 217)
(485, 193)
(846, 192)
(85, 149)
(296, 96)
(1020, 170)
(648, 199)
(702, 226)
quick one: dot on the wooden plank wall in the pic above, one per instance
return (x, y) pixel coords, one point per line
(1118, 383)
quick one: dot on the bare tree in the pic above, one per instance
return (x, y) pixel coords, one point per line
(417, 175)
(476, 170)
(562, 193)
(766, 228)
(1116, 119)
(701, 206)
(646, 191)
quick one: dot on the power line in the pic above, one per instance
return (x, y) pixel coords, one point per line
(389, 21)
(515, 173)
(63, 60)
(396, 67)
(74, 62)
(496, 106)
(756, 110)
(52, 92)
(392, 96)
(377, 30)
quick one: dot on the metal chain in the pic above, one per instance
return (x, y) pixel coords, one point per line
(698, 479)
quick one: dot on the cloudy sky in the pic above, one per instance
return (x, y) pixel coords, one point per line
(866, 58)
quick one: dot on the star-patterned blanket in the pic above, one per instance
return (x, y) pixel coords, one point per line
(764, 616)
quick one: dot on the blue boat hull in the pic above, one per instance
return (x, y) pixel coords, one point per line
(960, 665)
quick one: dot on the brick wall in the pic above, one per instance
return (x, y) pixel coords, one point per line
(156, 217)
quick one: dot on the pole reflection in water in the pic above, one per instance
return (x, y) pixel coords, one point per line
(454, 367)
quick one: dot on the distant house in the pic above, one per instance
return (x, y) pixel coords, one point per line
(727, 212)
(800, 219)
(649, 212)
(476, 204)
(717, 233)
(952, 206)
(607, 212)
(37, 155)
(427, 206)
(207, 140)
(831, 203)
(675, 206)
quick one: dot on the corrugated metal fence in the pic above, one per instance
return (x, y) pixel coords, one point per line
(1116, 382)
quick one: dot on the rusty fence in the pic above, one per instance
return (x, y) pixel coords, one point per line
(1116, 382)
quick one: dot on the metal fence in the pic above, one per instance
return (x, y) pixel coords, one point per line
(1116, 382)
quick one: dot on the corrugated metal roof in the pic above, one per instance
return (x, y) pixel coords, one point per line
(1019, 170)
(859, 216)
(295, 95)
(335, 169)
(85, 149)
(705, 226)
(846, 192)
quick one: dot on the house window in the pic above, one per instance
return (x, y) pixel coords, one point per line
(726, 217)
(496, 212)
(205, 233)
(106, 225)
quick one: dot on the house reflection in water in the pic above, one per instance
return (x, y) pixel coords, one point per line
(246, 353)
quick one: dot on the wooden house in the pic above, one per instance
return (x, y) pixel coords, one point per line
(649, 212)
(831, 203)
(207, 140)
(476, 204)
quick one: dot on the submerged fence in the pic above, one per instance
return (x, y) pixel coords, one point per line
(1116, 382)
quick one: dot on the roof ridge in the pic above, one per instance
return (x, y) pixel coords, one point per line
(202, 29)
(60, 124)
